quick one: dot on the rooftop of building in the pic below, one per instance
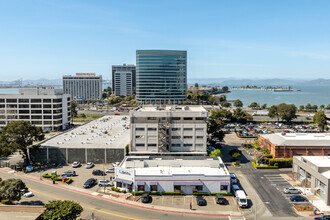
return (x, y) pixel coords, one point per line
(319, 161)
(83, 75)
(171, 108)
(36, 91)
(124, 65)
(171, 165)
(106, 132)
(298, 139)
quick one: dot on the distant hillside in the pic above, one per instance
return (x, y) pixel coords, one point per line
(316, 82)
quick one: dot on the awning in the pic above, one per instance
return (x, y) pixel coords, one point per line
(140, 183)
(153, 183)
(124, 181)
(186, 183)
(224, 183)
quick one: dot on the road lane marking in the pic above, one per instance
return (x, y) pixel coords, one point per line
(109, 213)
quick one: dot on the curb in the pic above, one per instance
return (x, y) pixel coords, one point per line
(121, 202)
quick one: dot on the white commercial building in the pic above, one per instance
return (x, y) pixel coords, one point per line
(123, 79)
(168, 130)
(187, 174)
(83, 86)
(44, 107)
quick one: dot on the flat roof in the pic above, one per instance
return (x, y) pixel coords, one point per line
(105, 132)
(299, 139)
(320, 161)
(171, 108)
(169, 170)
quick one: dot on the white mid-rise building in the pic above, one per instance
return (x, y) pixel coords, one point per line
(83, 86)
(168, 130)
(123, 79)
(44, 107)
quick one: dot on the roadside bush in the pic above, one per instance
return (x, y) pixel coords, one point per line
(57, 179)
(46, 175)
(173, 193)
(282, 163)
(154, 193)
(137, 193)
(6, 202)
(69, 181)
(233, 151)
(53, 176)
(263, 167)
(224, 194)
(115, 189)
(200, 194)
(123, 191)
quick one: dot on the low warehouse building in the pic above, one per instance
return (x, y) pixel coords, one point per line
(287, 145)
(314, 172)
(185, 174)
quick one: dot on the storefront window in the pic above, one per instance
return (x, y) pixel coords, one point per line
(223, 187)
(199, 188)
(141, 188)
(153, 188)
(119, 184)
(177, 188)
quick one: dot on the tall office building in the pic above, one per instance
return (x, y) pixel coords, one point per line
(123, 79)
(161, 76)
(83, 86)
(43, 107)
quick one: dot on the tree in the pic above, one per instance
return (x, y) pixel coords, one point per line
(196, 85)
(11, 189)
(328, 107)
(320, 119)
(238, 103)
(241, 116)
(225, 104)
(272, 112)
(264, 106)
(301, 108)
(225, 88)
(222, 98)
(321, 106)
(254, 105)
(216, 122)
(19, 135)
(308, 106)
(215, 153)
(74, 112)
(235, 152)
(287, 112)
(314, 107)
(62, 210)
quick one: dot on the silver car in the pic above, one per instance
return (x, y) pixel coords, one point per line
(89, 165)
(110, 170)
(105, 183)
(291, 190)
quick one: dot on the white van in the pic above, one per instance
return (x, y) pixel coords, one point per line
(241, 199)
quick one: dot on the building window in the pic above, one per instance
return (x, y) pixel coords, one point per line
(36, 100)
(11, 100)
(152, 118)
(152, 145)
(177, 188)
(199, 137)
(176, 137)
(188, 119)
(141, 188)
(152, 129)
(139, 129)
(200, 118)
(199, 129)
(187, 129)
(153, 188)
(119, 184)
(223, 187)
(139, 145)
(176, 118)
(176, 129)
(187, 137)
(139, 137)
(187, 145)
(199, 188)
(176, 145)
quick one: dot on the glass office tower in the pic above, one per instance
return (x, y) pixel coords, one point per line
(161, 76)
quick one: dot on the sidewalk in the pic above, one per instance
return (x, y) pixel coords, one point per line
(122, 200)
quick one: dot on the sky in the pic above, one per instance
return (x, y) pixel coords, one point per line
(240, 39)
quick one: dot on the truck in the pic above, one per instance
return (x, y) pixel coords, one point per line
(241, 199)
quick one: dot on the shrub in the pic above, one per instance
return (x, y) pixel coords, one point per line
(137, 193)
(6, 202)
(282, 163)
(69, 181)
(154, 193)
(173, 193)
(200, 194)
(113, 188)
(46, 175)
(263, 167)
(225, 194)
(57, 179)
(123, 191)
(53, 176)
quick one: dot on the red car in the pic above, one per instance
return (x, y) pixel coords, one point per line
(116, 114)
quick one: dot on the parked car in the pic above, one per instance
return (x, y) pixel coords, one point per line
(145, 198)
(324, 217)
(115, 164)
(233, 178)
(90, 183)
(69, 173)
(110, 170)
(201, 201)
(89, 165)
(105, 183)
(291, 190)
(221, 200)
(99, 173)
(26, 193)
(298, 198)
(76, 164)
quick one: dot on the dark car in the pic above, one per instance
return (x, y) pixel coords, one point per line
(298, 198)
(98, 173)
(201, 201)
(324, 217)
(221, 200)
(90, 183)
(145, 198)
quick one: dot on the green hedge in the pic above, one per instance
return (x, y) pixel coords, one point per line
(137, 193)
(69, 181)
(263, 167)
(200, 194)
(46, 175)
(154, 193)
(57, 179)
(282, 163)
(173, 193)
(225, 194)
(6, 202)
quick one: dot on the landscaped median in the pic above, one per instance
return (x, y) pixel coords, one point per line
(54, 177)
(263, 167)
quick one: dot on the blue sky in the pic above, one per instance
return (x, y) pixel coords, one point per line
(241, 39)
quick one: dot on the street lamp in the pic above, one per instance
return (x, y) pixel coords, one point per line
(255, 209)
